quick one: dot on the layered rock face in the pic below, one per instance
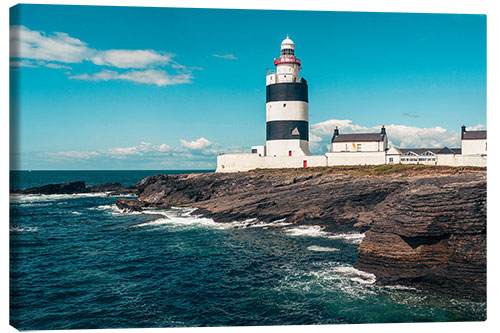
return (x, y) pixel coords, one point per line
(432, 234)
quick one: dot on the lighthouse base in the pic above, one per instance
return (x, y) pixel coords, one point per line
(276, 148)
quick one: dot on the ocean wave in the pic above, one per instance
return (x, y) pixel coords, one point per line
(183, 216)
(329, 277)
(398, 287)
(23, 229)
(310, 231)
(356, 275)
(351, 237)
(322, 249)
(317, 231)
(33, 198)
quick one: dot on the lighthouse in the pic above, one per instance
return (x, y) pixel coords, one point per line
(287, 108)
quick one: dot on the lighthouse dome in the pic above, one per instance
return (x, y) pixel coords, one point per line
(287, 43)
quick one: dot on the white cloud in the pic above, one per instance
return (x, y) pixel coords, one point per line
(226, 56)
(29, 44)
(410, 115)
(23, 63)
(158, 77)
(131, 58)
(30, 48)
(57, 66)
(36, 64)
(75, 154)
(326, 127)
(143, 154)
(199, 144)
(478, 127)
(141, 149)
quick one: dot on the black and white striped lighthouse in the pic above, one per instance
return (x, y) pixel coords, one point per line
(287, 109)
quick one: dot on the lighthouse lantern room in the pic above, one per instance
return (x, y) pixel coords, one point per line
(287, 108)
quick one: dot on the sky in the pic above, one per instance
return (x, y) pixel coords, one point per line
(96, 87)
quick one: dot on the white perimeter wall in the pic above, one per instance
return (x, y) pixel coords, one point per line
(245, 162)
(356, 158)
(461, 160)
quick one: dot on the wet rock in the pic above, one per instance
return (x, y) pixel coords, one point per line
(66, 188)
(79, 187)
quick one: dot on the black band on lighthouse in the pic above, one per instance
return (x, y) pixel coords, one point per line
(287, 130)
(289, 91)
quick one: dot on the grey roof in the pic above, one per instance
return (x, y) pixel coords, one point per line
(447, 150)
(356, 137)
(419, 151)
(471, 135)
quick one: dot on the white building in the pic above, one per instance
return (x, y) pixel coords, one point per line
(473, 142)
(358, 148)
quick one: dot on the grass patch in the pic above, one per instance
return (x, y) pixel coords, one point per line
(375, 170)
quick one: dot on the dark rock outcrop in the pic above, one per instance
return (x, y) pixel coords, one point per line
(79, 187)
(66, 188)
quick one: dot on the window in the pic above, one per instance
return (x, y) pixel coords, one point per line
(391, 159)
(284, 105)
(254, 151)
(358, 147)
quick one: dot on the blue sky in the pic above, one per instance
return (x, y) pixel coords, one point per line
(167, 88)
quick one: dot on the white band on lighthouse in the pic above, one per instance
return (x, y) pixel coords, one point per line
(285, 110)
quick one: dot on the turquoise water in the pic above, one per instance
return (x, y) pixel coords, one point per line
(77, 261)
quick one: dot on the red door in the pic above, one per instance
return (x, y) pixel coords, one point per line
(289, 153)
(305, 164)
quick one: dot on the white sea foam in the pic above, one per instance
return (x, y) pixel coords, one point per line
(23, 229)
(76, 213)
(310, 231)
(114, 210)
(30, 198)
(355, 274)
(183, 216)
(351, 237)
(399, 287)
(329, 277)
(317, 231)
(322, 249)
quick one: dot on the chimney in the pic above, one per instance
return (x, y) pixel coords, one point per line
(335, 132)
(463, 131)
(382, 131)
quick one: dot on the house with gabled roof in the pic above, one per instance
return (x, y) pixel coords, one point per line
(473, 142)
(358, 148)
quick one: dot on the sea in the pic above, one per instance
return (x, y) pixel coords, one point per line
(79, 262)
